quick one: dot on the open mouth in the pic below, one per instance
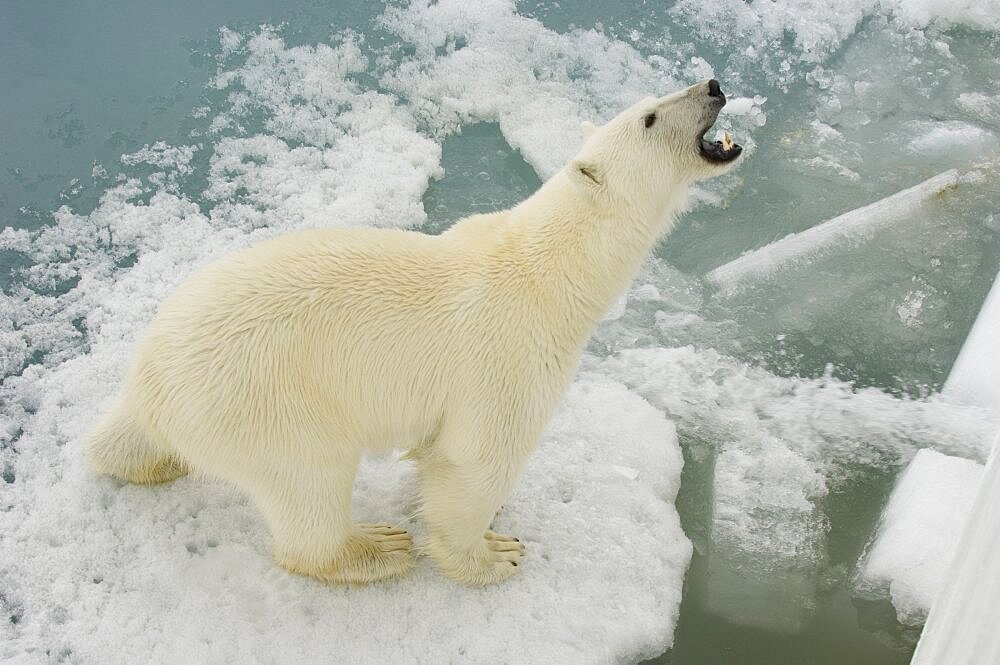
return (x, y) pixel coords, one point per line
(719, 151)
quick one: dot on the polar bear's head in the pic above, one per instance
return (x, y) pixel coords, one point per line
(656, 146)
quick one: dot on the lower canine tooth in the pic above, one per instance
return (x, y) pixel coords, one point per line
(727, 141)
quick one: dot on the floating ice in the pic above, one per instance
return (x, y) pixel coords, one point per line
(183, 571)
(528, 78)
(961, 627)
(757, 31)
(885, 291)
(536, 83)
(765, 424)
(163, 155)
(853, 227)
(936, 138)
(973, 378)
(986, 107)
(920, 529)
(984, 15)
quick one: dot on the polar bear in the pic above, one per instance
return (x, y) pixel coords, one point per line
(277, 366)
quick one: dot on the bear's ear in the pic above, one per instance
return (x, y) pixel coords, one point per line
(588, 129)
(586, 173)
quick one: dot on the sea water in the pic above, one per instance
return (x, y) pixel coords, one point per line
(140, 141)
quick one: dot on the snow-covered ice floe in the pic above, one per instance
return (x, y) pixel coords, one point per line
(961, 627)
(919, 532)
(183, 572)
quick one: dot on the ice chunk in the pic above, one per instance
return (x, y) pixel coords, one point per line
(184, 571)
(850, 226)
(919, 532)
(164, 156)
(982, 106)
(962, 624)
(973, 378)
(229, 40)
(738, 106)
(933, 139)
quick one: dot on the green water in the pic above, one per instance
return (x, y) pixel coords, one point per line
(86, 82)
(841, 629)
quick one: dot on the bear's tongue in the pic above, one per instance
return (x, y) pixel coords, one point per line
(720, 151)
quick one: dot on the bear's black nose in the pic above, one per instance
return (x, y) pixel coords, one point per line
(713, 89)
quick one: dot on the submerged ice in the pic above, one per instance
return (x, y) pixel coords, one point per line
(786, 391)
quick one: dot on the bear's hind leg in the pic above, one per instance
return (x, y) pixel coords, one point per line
(309, 511)
(119, 446)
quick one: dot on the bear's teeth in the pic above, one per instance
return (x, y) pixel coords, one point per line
(727, 141)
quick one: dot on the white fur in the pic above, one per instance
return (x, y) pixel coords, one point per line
(277, 366)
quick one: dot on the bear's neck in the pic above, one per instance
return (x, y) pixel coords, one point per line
(581, 254)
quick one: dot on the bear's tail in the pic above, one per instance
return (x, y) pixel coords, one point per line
(120, 446)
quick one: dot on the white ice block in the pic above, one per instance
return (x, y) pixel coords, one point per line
(962, 626)
(851, 226)
(975, 376)
(919, 531)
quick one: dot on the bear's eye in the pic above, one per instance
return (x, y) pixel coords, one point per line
(649, 120)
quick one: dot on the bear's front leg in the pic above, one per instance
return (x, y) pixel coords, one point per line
(459, 500)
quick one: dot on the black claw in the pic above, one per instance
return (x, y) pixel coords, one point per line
(517, 540)
(514, 562)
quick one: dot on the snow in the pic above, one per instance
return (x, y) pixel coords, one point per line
(919, 531)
